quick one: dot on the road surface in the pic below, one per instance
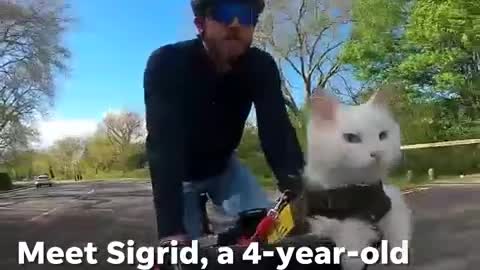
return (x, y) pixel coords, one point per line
(447, 223)
(447, 228)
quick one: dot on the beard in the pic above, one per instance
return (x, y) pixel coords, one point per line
(229, 47)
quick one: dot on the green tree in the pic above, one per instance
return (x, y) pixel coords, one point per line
(123, 129)
(250, 152)
(66, 154)
(32, 53)
(20, 165)
(99, 153)
(431, 48)
(41, 163)
(132, 157)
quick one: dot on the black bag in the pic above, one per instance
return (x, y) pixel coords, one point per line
(244, 227)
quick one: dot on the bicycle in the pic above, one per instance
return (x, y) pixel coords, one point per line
(248, 230)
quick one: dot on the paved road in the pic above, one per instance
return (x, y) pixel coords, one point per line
(447, 223)
(74, 215)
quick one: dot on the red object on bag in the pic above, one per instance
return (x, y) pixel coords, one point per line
(263, 228)
(266, 224)
(261, 232)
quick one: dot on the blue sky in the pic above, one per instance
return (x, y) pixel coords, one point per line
(110, 43)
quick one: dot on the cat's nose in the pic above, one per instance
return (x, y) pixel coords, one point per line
(375, 154)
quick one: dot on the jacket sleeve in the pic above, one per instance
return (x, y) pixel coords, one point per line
(277, 135)
(166, 136)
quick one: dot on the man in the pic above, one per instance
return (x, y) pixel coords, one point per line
(198, 94)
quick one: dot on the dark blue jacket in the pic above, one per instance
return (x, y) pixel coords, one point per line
(195, 120)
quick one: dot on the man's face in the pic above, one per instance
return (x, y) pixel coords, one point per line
(227, 34)
(228, 41)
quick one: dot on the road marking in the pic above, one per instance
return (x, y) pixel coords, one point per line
(58, 207)
(104, 210)
(416, 189)
(44, 214)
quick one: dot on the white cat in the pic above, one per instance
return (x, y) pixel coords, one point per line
(355, 145)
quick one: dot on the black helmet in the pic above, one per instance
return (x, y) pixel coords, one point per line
(199, 7)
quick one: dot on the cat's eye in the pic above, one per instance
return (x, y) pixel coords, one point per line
(383, 135)
(352, 138)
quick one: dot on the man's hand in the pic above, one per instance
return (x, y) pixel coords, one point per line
(294, 184)
(298, 203)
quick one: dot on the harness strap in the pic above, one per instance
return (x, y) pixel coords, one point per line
(366, 202)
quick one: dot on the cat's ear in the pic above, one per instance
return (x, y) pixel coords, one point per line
(323, 107)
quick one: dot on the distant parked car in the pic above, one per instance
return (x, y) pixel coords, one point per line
(43, 180)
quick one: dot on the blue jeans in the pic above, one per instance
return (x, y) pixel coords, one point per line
(235, 190)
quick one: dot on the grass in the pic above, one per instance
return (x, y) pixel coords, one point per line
(113, 175)
(399, 181)
(402, 183)
(139, 173)
(106, 180)
(17, 185)
(266, 182)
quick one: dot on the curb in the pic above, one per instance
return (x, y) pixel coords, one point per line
(453, 183)
(414, 190)
(105, 180)
(438, 184)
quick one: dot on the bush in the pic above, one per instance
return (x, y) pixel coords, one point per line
(116, 174)
(5, 181)
(138, 173)
(453, 160)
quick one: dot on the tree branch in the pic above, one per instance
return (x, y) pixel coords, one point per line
(301, 13)
(294, 67)
(331, 72)
(324, 54)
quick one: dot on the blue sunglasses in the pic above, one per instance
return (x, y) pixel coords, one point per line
(226, 14)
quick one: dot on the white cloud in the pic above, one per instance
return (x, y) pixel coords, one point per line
(53, 130)
(111, 111)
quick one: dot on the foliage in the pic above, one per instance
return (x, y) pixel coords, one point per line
(31, 55)
(97, 156)
(122, 129)
(427, 49)
(431, 48)
(454, 160)
(99, 153)
(66, 155)
(250, 152)
(5, 181)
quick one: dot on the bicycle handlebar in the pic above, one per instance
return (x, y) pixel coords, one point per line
(263, 256)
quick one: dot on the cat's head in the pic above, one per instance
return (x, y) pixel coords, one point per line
(362, 139)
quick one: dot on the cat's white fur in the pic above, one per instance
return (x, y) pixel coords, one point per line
(333, 162)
